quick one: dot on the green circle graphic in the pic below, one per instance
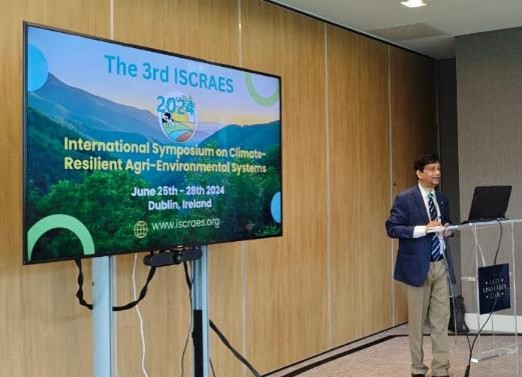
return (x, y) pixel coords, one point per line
(263, 101)
(60, 221)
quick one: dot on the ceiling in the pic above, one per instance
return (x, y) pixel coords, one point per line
(429, 30)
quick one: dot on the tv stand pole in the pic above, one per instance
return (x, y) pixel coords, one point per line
(200, 314)
(102, 316)
(102, 320)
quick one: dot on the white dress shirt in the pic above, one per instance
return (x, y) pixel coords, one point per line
(420, 230)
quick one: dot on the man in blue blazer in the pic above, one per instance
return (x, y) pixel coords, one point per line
(417, 219)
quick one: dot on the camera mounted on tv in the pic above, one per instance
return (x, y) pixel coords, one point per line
(176, 255)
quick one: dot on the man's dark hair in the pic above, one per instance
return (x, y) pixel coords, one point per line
(424, 160)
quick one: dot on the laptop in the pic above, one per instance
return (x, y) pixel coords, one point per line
(489, 203)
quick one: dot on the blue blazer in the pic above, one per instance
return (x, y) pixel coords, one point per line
(413, 258)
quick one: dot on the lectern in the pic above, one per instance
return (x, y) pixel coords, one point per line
(489, 261)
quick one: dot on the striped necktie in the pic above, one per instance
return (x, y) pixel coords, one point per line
(435, 242)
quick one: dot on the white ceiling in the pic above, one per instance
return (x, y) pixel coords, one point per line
(430, 30)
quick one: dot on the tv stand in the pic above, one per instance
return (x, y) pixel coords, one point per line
(103, 319)
(200, 314)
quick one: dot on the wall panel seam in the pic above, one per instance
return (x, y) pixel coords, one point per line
(243, 244)
(328, 188)
(390, 158)
(113, 265)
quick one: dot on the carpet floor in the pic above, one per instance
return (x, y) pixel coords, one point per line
(387, 355)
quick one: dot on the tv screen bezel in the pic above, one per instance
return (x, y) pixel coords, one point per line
(26, 260)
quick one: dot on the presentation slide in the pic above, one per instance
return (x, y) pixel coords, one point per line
(132, 149)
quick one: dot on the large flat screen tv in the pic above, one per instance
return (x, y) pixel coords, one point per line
(128, 149)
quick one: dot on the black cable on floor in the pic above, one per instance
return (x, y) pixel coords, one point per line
(220, 335)
(229, 346)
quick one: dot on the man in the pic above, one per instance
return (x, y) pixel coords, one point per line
(416, 219)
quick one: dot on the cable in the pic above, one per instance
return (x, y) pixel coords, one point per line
(467, 372)
(143, 292)
(219, 334)
(232, 349)
(79, 293)
(189, 281)
(81, 300)
(143, 348)
(212, 368)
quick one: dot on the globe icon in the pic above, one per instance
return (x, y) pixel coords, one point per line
(141, 229)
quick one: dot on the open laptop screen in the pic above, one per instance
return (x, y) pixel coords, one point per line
(489, 203)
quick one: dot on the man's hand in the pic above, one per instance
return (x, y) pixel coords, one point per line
(433, 224)
(436, 226)
(447, 233)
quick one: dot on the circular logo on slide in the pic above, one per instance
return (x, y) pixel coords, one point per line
(256, 93)
(275, 207)
(177, 117)
(141, 229)
(38, 70)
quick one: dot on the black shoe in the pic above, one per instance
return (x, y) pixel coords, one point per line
(417, 375)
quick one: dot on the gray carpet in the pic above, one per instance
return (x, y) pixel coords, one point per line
(387, 354)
